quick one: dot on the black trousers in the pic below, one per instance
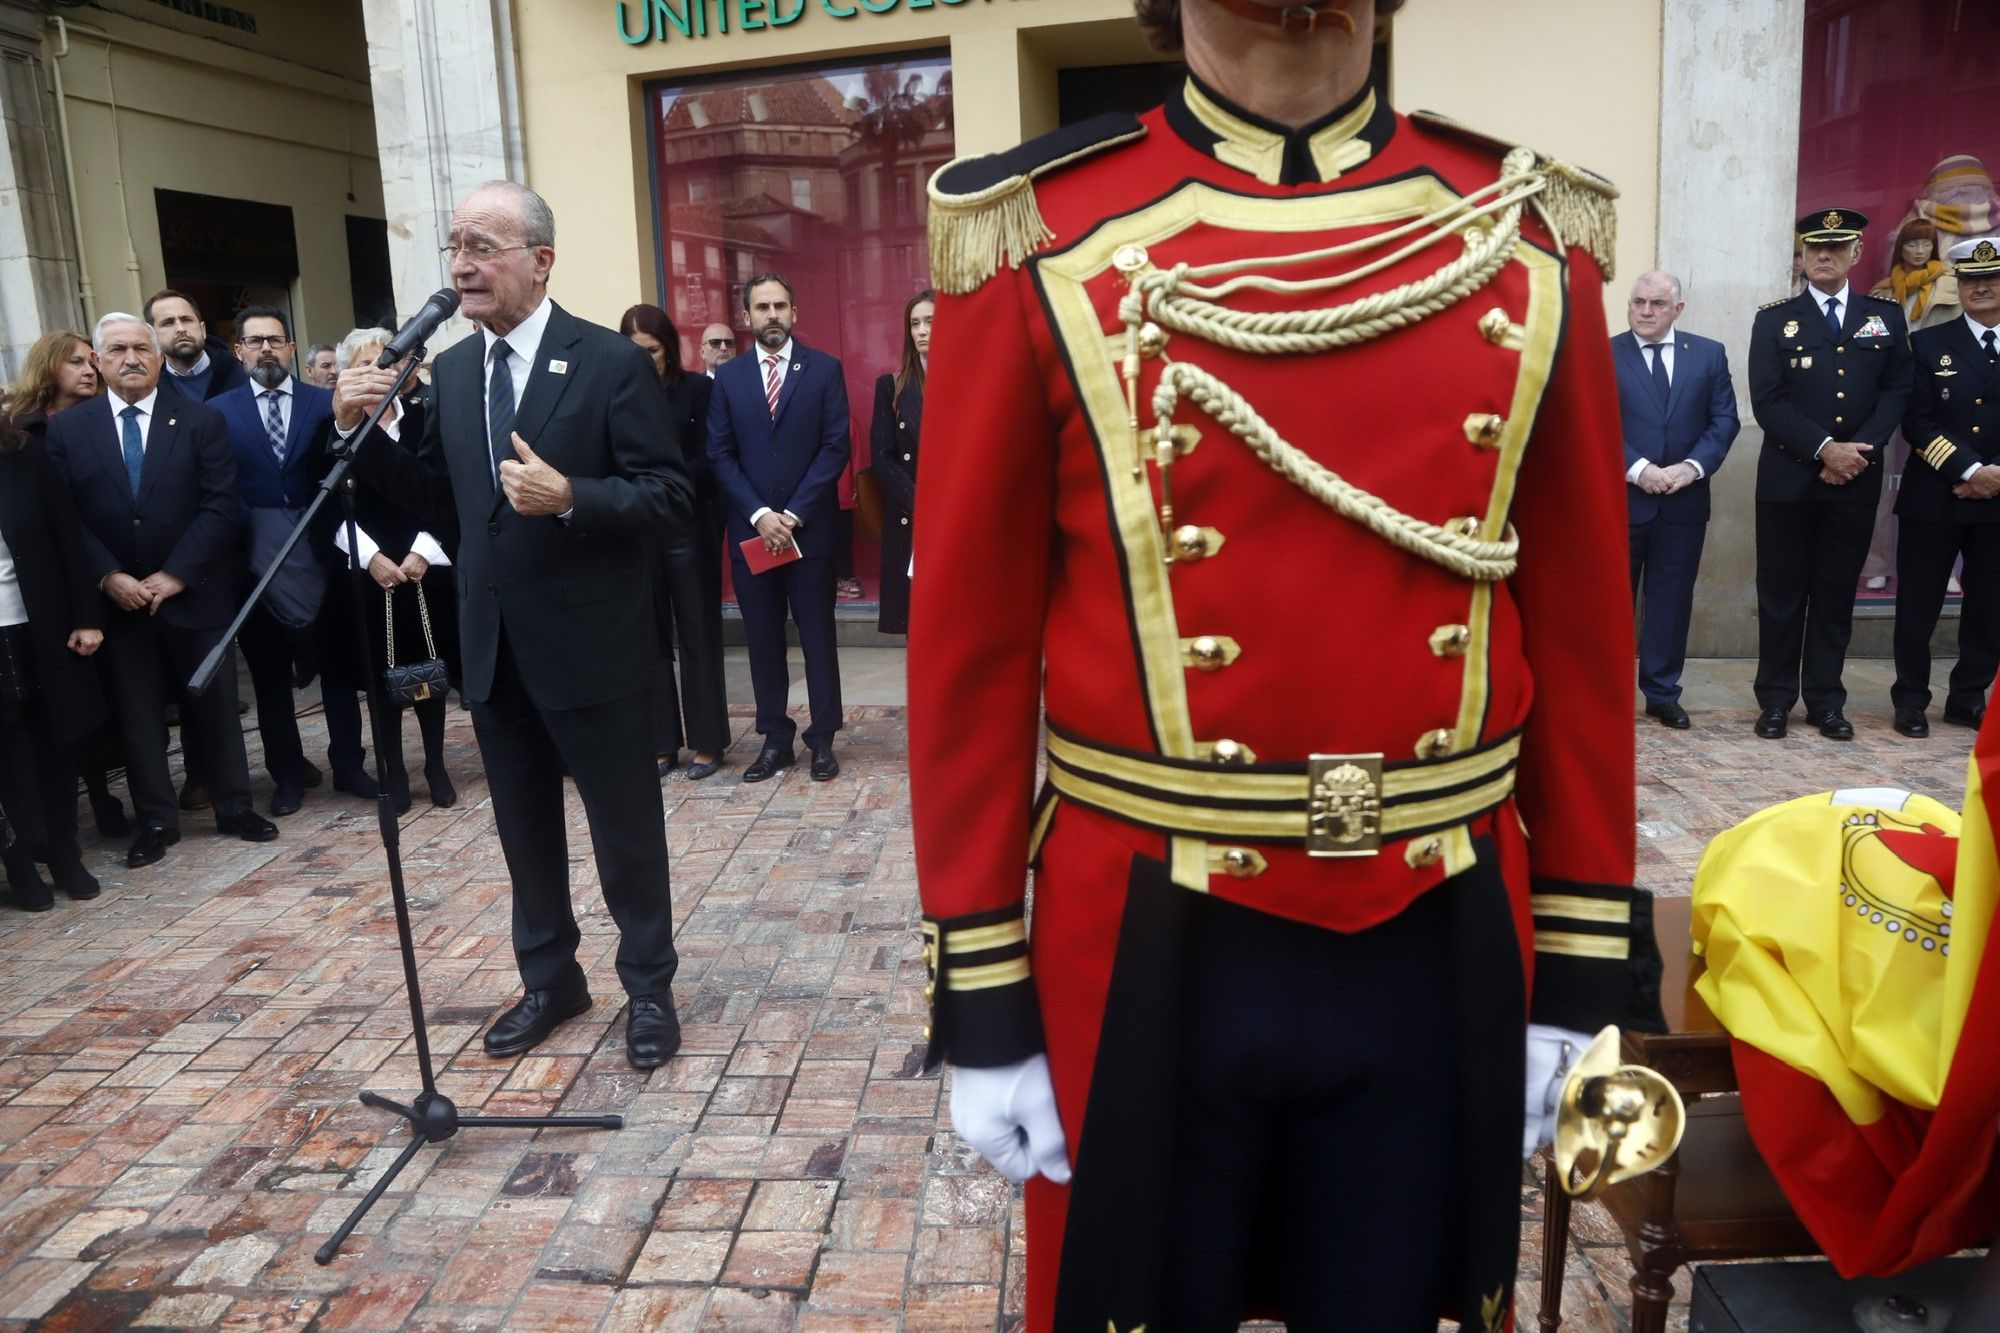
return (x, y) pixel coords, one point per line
(38, 781)
(147, 658)
(1666, 557)
(687, 586)
(608, 750)
(1925, 553)
(271, 650)
(806, 587)
(1809, 559)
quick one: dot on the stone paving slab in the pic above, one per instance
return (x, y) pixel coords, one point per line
(179, 1062)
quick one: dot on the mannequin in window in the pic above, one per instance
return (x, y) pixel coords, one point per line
(1915, 279)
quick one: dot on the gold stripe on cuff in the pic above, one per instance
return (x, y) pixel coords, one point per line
(987, 976)
(1579, 908)
(1572, 945)
(977, 938)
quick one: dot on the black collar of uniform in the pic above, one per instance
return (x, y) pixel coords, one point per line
(1337, 142)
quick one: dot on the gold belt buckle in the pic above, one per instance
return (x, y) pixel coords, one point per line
(1344, 805)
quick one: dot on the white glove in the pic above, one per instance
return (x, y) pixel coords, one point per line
(1009, 1114)
(1551, 1051)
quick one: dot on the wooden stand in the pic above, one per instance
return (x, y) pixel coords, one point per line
(1715, 1199)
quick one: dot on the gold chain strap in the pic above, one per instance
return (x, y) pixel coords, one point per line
(423, 612)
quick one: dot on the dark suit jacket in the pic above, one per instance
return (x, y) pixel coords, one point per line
(892, 457)
(1953, 422)
(187, 519)
(38, 519)
(574, 598)
(227, 373)
(790, 462)
(1698, 423)
(259, 480)
(1806, 385)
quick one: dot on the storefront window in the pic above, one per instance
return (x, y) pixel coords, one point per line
(1897, 122)
(816, 174)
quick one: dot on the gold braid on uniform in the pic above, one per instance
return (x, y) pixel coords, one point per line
(1488, 222)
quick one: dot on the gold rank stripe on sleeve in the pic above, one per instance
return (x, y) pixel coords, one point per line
(1604, 911)
(985, 937)
(987, 975)
(1572, 944)
(1938, 452)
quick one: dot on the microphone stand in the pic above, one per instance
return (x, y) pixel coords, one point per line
(433, 1117)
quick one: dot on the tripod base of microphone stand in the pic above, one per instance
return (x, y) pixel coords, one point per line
(434, 1118)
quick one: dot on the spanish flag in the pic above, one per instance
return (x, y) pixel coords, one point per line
(1845, 938)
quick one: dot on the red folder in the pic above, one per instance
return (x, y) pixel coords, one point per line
(761, 560)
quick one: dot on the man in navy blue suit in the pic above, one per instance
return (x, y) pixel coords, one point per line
(778, 435)
(1679, 413)
(275, 424)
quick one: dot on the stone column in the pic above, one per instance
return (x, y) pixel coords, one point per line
(38, 269)
(447, 116)
(1731, 79)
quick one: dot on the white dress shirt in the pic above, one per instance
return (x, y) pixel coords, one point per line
(1666, 355)
(1979, 331)
(1839, 300)
(13, 607)
(524, 340)
(145, 406)
(784, 355)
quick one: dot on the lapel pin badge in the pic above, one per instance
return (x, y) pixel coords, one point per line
(558, 367)
(1791, 328)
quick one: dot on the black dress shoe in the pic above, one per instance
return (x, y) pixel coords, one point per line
(287, 799)
(532, 1019)
(73, 879)
(247, 825)
(825, 768)
(652, 1032)
(1771, 723)
(768, 762)
(443, 795)
(1966, 717)
(31, 891)
(1910, 722)
(1832, 725)
(669, 762)
(150, 845)
(356, 783)
(194, 794)
(701, 768)
(1671, 714)
(310, 776)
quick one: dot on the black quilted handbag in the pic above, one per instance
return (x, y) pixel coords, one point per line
(413, 682)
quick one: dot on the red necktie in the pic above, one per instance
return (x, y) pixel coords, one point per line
(771, 383)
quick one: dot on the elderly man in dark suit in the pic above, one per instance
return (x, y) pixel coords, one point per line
(155, 484)
(551, 446)
(275, 423)
(779, 435)
(1679, 413)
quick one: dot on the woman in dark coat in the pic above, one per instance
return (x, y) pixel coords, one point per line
(51, 621)
(399, 559)
(892, 456)
(687, 573)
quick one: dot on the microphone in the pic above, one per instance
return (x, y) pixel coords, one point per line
(441, 306)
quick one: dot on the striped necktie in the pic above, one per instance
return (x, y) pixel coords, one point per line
(771, 384)
(500, 405)
(274, 425)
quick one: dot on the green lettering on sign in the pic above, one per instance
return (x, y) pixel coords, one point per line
(640, 21)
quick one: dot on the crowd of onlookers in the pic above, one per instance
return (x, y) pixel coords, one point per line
(150, 473)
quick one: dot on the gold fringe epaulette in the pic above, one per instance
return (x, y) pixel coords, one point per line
(983, 210)
(1783, 300)
(1577, 204)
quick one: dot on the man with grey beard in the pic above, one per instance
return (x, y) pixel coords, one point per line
(275, 424)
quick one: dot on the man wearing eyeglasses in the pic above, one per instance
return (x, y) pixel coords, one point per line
(275, 421)
(718, 344)
(552, 451)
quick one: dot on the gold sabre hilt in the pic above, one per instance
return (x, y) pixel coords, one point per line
(1613, 1121)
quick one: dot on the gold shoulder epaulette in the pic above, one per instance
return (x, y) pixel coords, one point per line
(1773, 305)
(1577, 204)
(983, 209)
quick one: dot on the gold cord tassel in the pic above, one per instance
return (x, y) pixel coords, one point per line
(972, 235)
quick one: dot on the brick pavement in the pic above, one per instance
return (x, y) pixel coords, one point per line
(178, 1064)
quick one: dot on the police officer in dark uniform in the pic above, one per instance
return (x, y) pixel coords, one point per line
(1829, 379)
(1950, 499)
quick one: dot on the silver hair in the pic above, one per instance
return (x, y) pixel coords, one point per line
(120, 317)
(537, 219)
(1659, 275)
(354, 341)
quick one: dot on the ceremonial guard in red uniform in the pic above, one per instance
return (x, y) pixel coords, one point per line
(1300, 455)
